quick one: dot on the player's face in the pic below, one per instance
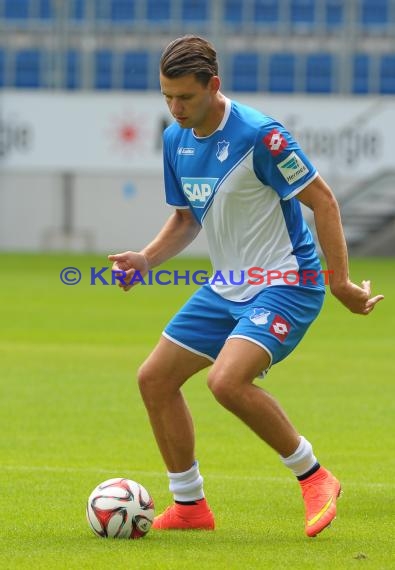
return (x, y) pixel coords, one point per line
(191, 103)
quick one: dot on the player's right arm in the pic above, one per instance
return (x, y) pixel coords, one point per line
(177, 233)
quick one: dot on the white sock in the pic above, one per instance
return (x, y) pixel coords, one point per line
(302, 459)
(187, 485)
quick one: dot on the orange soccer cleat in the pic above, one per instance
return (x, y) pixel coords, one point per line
(320, 492)
(184, 517)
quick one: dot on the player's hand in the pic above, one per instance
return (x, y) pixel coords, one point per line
(357, 299)
(127, 264)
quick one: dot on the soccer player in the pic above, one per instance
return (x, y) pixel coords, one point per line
(239, 174)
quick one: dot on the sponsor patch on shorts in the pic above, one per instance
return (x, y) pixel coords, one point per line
(280, 328)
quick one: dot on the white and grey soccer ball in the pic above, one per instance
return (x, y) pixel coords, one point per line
(120, 508)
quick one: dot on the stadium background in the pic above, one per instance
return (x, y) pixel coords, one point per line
(81, 114)
(81, 118)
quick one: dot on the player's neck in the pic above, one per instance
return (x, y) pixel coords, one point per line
(213, 119)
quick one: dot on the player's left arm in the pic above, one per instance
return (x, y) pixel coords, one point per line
(320, 198)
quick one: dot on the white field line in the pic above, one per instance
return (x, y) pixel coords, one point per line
(124, 473)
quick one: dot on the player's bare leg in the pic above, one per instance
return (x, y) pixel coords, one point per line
(231, 381)
(160, 380)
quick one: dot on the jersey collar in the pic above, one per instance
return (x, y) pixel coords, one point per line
(228, 105)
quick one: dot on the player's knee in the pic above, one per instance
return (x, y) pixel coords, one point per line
(147, 380)
(218, 382)
(156, 384)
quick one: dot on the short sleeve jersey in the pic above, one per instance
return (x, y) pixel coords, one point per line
(240, 183)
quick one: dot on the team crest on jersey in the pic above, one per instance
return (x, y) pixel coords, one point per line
(259, 316)
(223, 150)
(198, 190)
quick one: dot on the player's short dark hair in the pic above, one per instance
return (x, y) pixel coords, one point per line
(189, 54)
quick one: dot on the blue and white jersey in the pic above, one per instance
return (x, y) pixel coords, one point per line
(240, 184)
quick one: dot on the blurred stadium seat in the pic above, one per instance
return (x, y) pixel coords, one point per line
(387, 74)
(361, 70)
(22, 10)
(103, 69)
(16, 9)
(195, 10)
(282, 72)
(135, 70)
(266, 12)
(233, 12)
(319, 73)
(319, 45)
(159, 11)
(28, 67)
(374, 13)
(303, 14)
(45, 9)
(122, 11)
(77, 10)
(245, 71)
(2, 67)
(334, 14)
(72, 67)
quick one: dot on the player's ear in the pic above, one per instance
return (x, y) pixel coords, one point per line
(214, 83)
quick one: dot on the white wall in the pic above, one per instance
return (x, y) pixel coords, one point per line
(110, 144)
(111, 212)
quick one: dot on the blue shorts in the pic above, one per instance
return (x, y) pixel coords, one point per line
(276, 319)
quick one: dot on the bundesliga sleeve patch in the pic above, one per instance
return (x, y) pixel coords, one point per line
(275, 142)
(292, 168)
(280, 328)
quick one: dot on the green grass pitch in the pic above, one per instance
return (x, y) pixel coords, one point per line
(71, 417)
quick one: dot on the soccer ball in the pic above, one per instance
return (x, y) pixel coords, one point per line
(120, 508)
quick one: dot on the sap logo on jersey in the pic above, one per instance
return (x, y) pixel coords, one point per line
(198, 190)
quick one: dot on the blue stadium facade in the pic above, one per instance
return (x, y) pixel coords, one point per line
(275, 46)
